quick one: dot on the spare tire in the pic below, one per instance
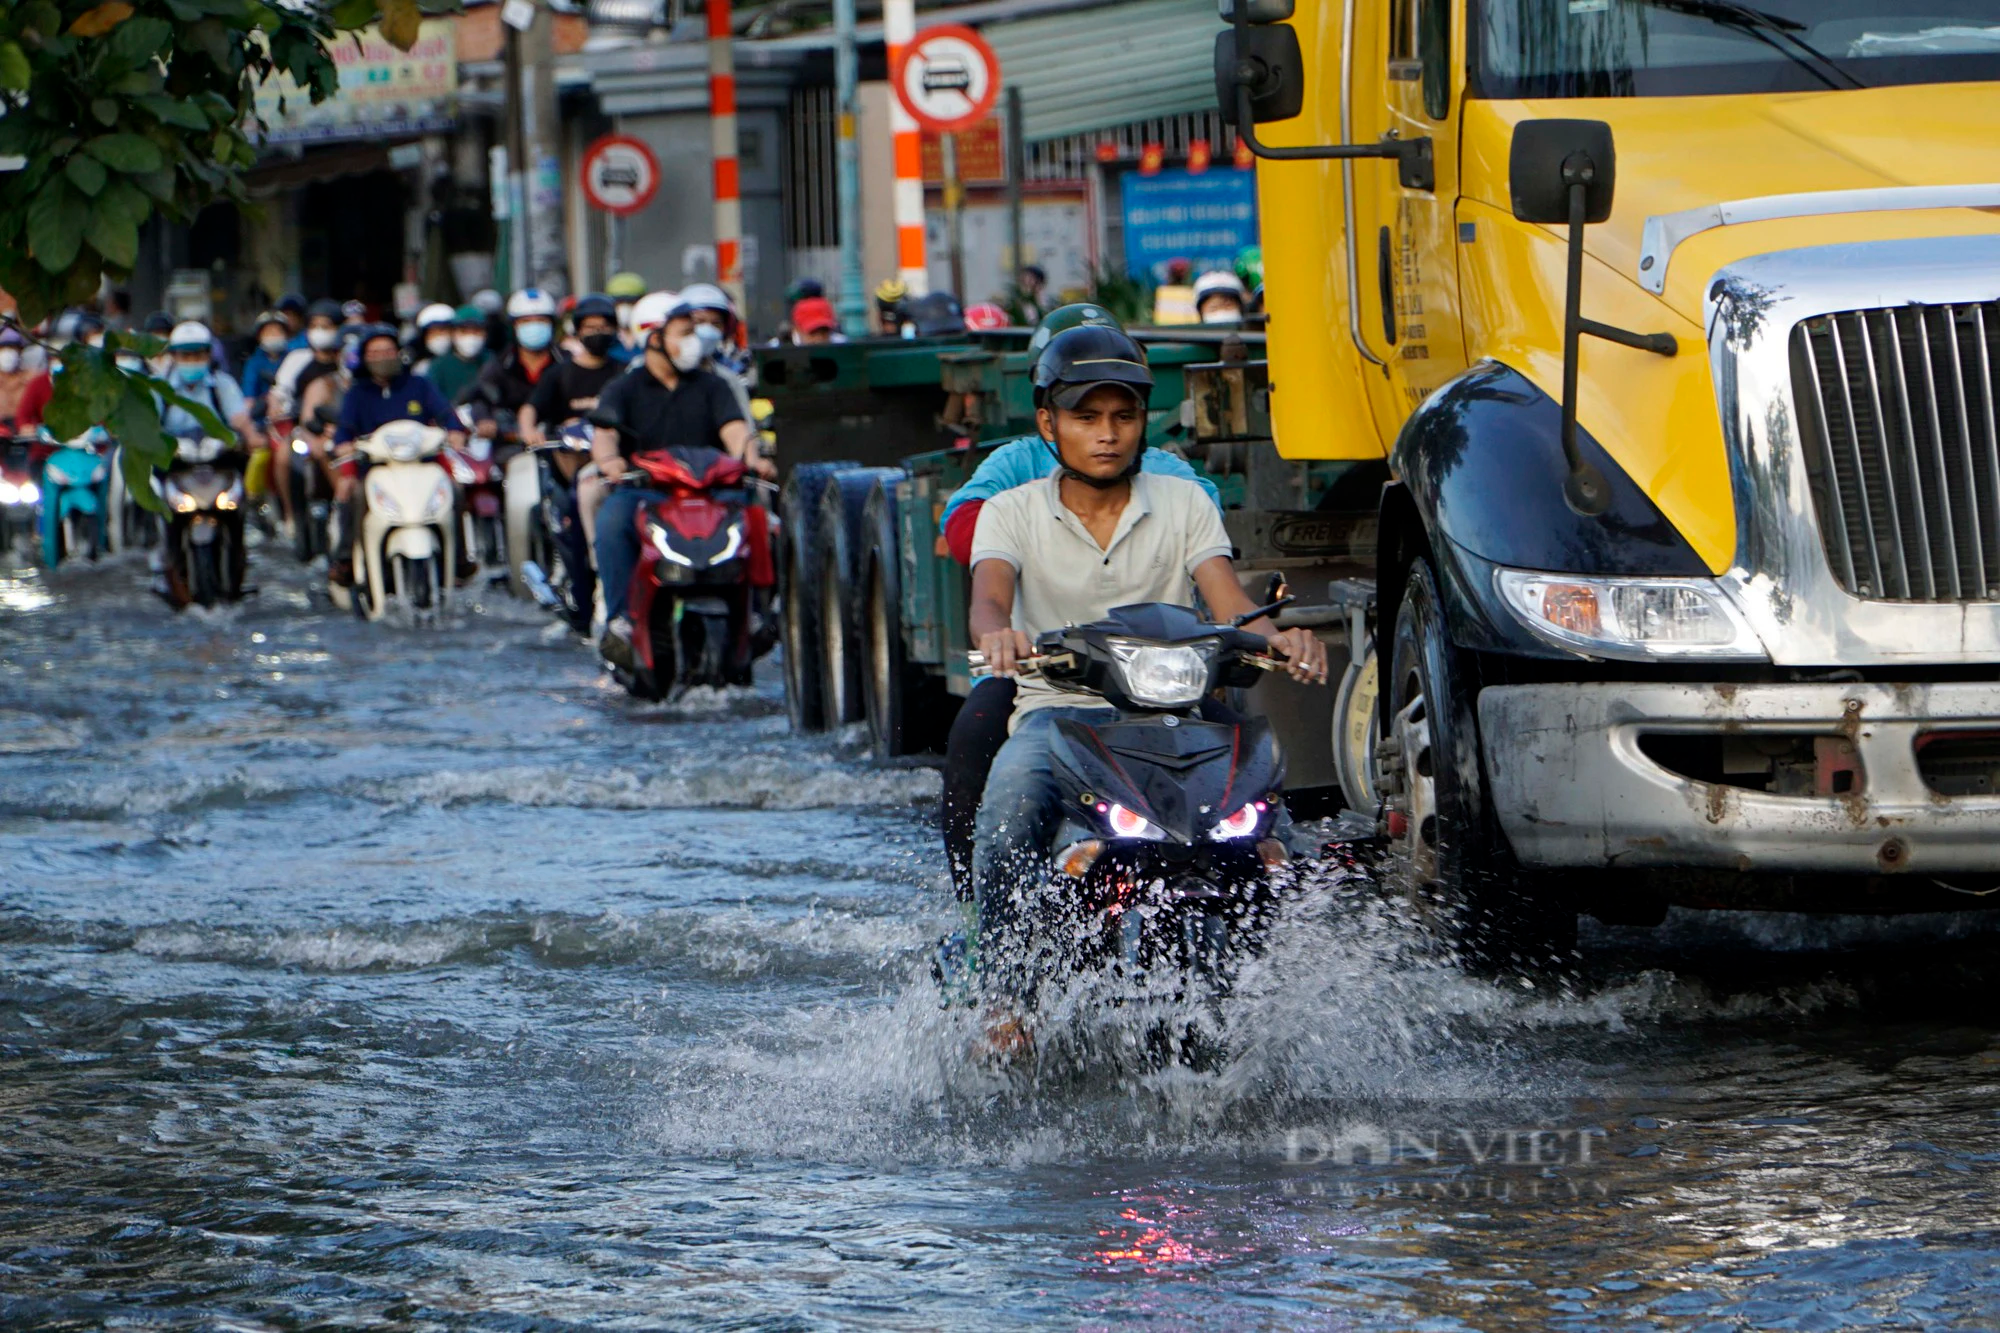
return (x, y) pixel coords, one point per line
(843, 588)
(909, 710)
(801, 555)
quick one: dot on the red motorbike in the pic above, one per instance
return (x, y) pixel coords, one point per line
(482, 483)
(704, 568)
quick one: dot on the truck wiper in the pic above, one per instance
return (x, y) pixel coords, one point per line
(1775, 31)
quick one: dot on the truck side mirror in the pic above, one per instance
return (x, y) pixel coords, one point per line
(1561, 172)
(1550, 156)
(1268, 63)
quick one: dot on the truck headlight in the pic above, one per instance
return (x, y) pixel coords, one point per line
(1630, 620)
(1163, 675)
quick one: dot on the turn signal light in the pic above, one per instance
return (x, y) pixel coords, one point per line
(1077, 859)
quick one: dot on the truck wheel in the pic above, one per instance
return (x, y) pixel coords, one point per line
(844, 588)
(909, 710)
(804, 555)
(1460, 873)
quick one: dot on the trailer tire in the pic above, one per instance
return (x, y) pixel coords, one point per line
(802, 558)
(843, 589)
(909, 710)
(1460, 873)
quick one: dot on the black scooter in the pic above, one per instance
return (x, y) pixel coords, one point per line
(1165, 854)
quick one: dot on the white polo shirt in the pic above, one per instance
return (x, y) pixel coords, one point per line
(1063, 577)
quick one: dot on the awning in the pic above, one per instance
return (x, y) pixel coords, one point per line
(1095, 68)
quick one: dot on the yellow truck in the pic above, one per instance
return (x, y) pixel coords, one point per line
(1676, 327)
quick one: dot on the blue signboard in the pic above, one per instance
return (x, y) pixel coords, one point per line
(1205, 219)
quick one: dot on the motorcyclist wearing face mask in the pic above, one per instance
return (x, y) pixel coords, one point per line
(432, 338)
(193, 375)
(625, 289)
(570, 387)
(311, 378)
(721, 334)
(1220, 298)
(82, 326)
(14, 375)
(671, 403)
(504, 385)
(455, 370)
(385, 391)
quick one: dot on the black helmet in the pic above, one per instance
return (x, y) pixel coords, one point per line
(1069, 317)
(159, 324)
(368, 333)
(324, 309)
(935, 314)
(1079, 359)
(601, 306)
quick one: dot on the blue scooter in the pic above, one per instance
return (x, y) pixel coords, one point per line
(76, 485)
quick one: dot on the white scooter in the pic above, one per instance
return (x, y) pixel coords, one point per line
(407, 547)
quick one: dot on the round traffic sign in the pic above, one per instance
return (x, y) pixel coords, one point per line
(947, 78)
(620, 174)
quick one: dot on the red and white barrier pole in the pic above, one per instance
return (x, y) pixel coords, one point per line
(722, 133)
(899, 26)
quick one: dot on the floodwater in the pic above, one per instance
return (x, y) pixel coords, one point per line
(353, 975)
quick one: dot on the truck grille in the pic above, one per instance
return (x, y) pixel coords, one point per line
(1902, 443)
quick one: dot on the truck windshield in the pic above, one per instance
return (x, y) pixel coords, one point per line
(1681, 48)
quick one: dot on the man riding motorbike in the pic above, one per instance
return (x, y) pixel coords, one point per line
(433, 337)
(570, 390)
(456, 368)
(980, 728)
(720, 331)
(668, 403)
(297, 390)
(387, 391)
(502, 389)
(193, 375)
(1096, 534)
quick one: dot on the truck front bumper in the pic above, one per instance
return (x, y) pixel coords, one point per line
(1572, 786)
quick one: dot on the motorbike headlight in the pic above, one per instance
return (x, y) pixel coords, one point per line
(731, 548)
(1160, 674)
(9, 493)
(439, 504)
(1631, 620)
(665, 547)
(301, 447)
(382, 502)
(30, 493)
(184, 503)
(462, 474)
(1125, 823)
(1241, 824)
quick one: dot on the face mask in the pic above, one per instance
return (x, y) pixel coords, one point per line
(10, 360)
(273, 345)
(687, 352)
(385, 367)
(131, 362)
(438, 344)
(94, 340)
(468, 345)
(534, 335)
(599, 344)
(190, 377)
(1222, 315)
(323, 340)
(624, 316)
(710, 336)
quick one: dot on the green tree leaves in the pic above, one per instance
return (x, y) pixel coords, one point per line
(55, 224)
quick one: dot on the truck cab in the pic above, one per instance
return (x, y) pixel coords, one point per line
(1677, 324)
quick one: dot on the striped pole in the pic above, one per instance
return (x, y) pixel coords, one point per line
(899, 26)
(722, 136)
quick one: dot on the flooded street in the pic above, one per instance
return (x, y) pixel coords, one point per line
(358, 976)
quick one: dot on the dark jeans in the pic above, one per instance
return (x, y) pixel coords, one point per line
(977, 734)
(618, 543)
(569, 540)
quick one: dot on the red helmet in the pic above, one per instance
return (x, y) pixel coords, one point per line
(984, 316)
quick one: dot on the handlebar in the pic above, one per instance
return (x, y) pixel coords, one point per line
(1032, 664)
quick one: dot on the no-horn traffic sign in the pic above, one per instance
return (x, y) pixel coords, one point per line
(947, 78)
(620, 174)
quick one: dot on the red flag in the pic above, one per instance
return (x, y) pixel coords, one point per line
(1152, 157)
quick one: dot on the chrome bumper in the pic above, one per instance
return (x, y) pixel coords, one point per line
(1572, 788)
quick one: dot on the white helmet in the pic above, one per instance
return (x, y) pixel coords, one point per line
(706, 296)
(650, 311)
(1222, 280)
(433, 315)
(190, 335)
(531, 303)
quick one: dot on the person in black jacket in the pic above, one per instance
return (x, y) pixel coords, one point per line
(566, 392)
(504, 386)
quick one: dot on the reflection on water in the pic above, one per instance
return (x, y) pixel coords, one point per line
(349, 975)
